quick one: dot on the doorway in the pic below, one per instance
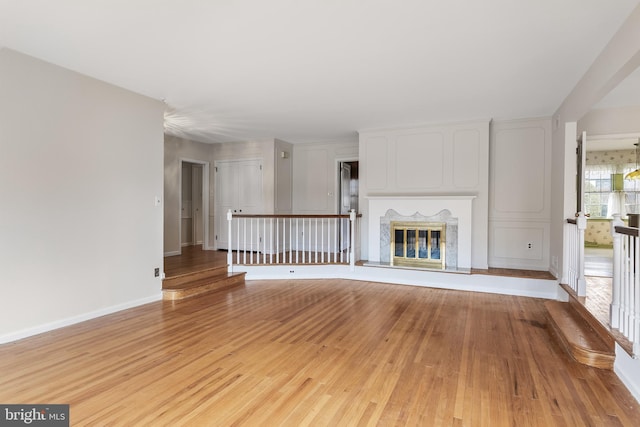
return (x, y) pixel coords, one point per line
(348, 187)
(194, 204)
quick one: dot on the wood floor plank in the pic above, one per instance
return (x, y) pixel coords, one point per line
(316, 352)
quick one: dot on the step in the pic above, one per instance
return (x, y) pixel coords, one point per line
(578, 337)
(202, 286)
(178, 280)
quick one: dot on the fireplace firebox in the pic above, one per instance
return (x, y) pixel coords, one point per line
(418, 244)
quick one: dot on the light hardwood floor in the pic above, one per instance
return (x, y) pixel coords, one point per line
(316, 352)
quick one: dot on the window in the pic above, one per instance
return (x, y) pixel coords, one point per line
(597, 188)
(600, 201)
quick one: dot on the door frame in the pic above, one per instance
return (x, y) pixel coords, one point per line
(205, 202)
(338, 191)
(338, 178)
(194, 225)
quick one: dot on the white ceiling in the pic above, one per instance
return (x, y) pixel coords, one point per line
(304, 71)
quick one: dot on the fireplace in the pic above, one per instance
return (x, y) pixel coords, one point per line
(452, 212)
(419, 241)
(418, 244)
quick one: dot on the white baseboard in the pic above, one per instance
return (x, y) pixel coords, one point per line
(536, 288)
(14, 336)
(628, 370)
(173, 253)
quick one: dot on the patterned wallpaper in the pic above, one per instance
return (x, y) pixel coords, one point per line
(616, 157)
(598, 233)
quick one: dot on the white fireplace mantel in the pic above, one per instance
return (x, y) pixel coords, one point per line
(460, 207)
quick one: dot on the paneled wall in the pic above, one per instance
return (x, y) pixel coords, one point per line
(519, 210)
(450, 159)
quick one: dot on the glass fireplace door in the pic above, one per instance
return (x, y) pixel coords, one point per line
(417, 244)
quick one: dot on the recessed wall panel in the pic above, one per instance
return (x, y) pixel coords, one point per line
(317, 180)
(376, 163)
(419, 161)
(519, 170)
(519, 243)
(466, 158)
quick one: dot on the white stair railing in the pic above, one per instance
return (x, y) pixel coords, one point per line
(291, 239)
(625, 292)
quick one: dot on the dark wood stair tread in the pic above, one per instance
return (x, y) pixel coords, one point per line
(580, 340)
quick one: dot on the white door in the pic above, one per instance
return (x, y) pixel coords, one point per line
(581, 158)
(239, 189)
(226, 189)
(249, 178)
(186, 211)
(196, 204)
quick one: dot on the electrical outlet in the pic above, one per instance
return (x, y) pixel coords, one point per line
(156, 272)
(529, 245)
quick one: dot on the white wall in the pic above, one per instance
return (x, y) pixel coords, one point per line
(618, 60)
(283, 186)
(80, 168)
(451, 159)
(316, 175)
(520, 194)
(175, 150)
(610, 121)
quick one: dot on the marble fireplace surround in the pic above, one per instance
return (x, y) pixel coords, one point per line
(454, 210)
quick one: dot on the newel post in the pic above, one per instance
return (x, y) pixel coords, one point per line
(614, 308)
(229, 246)
(352, 257)
(581, 222)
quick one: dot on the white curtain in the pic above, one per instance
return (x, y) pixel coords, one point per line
(616, 204)
(616, 199)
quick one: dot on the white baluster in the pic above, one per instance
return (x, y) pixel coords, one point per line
(582, 282)
(316, 247)
(352, 239)
(271, 246)
(278, 240)
(634, 295)
(229, 240)
(337, 240)
(322, 241)
(614, 309)
(244, 240)
(251, 241)
(237, 241)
